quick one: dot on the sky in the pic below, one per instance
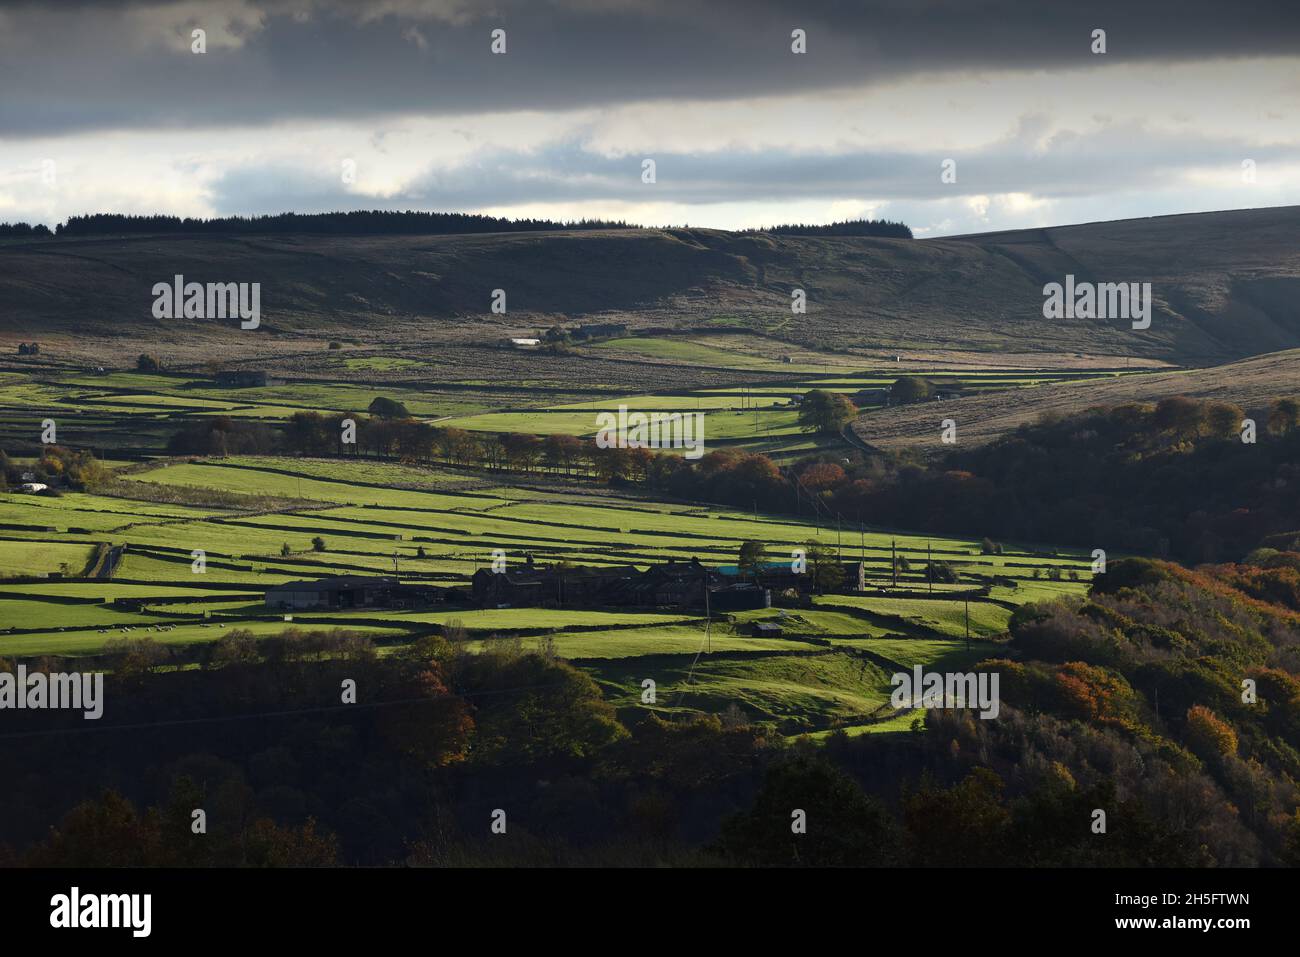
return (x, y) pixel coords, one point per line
(318, 105)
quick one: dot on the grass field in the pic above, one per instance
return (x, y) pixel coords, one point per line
(830, 667)
(767, 413)
(261, 521)
(123, 410)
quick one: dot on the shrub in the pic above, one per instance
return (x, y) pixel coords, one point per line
(1208, 734)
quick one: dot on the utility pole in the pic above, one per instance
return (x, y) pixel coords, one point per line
(893, 558)
(862, 554)
(708, 614)
(929, 566)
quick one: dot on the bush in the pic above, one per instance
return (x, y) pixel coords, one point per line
(387, 408)
(1208, 734)
(943, 573)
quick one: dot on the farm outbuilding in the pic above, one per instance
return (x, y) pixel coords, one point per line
(864, 397)
(344, 591)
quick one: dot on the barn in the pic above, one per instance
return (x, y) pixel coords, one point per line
(343, 591)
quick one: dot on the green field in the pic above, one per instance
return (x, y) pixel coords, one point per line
(829, 668)
(264, 520)
(764, 417)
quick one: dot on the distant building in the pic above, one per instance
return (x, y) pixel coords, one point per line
(34, 487)
(739, 597)
(516, 343)
(533, 586)
(767, 629)
(245, 379)
(672, 584)
(864, 397)
(344, 591)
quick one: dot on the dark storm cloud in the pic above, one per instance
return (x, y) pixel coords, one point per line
(1063, 166)
(121, 65)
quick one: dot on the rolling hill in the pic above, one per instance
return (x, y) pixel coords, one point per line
(1249, 383)
(1225, 286)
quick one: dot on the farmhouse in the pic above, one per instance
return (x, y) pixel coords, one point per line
(672, 584)
(516, 343)
(532, 586)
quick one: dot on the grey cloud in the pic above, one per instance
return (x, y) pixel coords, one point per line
(85, 66)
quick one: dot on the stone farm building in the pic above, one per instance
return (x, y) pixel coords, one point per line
(671, 584)
(868, 397)
(352, 591)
